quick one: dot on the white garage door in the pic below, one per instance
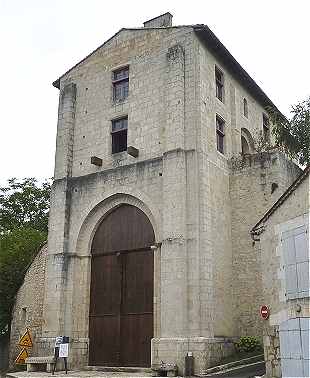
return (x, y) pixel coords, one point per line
(294, 347)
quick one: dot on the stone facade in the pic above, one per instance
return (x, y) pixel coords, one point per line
(28, 308)
(294, 212)
(251, 192)
(200, 202)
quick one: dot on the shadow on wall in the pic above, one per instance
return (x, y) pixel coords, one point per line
(4, 354)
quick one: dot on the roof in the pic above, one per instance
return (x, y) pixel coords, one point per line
(216, 46)
(285, 195)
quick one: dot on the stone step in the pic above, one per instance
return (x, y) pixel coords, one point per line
(120, 369)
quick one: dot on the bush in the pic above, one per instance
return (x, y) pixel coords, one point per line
(248, 344)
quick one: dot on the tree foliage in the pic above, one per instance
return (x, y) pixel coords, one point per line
(24, 209)
(17, 249)
(293, 135)
(24, 204)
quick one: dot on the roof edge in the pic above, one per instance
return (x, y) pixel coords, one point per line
(218, 48)
(56, 83)
(285, 195)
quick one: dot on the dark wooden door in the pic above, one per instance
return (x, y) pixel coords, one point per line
(121, 295)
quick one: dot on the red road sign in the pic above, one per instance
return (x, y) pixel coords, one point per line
(264, 312)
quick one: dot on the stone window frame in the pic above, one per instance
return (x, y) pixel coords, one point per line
(119, 134)
(120, 84)
(219, 84)
(220, 133)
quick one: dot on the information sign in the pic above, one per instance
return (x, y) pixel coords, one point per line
(63, 350)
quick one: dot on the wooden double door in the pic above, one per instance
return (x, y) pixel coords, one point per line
(121, 294)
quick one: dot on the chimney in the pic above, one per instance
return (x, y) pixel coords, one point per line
(163, 20)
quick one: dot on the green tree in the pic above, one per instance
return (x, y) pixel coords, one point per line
(293, 135)
(24, 209)
(17, 249)
(24, 204)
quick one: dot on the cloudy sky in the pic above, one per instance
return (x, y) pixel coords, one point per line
(41, 39)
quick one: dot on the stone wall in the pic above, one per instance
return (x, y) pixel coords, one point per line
(28, 308)
(251, 196)
(294, 212)
(200, 206)
(216, 188)
(162, 181)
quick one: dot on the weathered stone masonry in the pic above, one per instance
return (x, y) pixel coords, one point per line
(201, 206)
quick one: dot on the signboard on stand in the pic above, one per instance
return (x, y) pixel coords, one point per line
(61, 351)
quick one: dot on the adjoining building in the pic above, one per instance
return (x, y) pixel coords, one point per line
(283, 238)
(157, 184)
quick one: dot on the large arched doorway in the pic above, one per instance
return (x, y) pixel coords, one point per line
(121, 293)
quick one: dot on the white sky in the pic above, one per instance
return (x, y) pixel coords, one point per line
(41, 39)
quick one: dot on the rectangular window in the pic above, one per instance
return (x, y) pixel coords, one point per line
(296, 262)
(220, 134)
(119, 135)
(266, 128)
(219, 83)
(120, 83)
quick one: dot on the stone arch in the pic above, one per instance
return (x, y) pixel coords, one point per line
(82, 258)
(247, 142)
(102, 209)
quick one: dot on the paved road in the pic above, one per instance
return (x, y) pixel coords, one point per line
(247, 372)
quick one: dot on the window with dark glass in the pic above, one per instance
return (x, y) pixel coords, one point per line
(245, 108)
(219, 83)
(266, 128)
(120, 84)
(119, 135)
(220, 134)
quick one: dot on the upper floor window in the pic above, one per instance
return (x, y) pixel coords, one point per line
(219, 83)
(119, 135)
(266, 128)
(120, 84)
(245, 108)
(220, 134)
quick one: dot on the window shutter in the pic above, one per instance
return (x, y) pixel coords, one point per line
(295, 247)
(302, 261)
(288, 247)
(291, 281)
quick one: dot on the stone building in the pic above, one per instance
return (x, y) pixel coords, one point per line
(156, 186)
(282, 236)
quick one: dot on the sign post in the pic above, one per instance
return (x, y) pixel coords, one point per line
(264, 312)
(25, 342)
(20, 359)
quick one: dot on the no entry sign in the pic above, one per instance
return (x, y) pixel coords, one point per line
(264, 312)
